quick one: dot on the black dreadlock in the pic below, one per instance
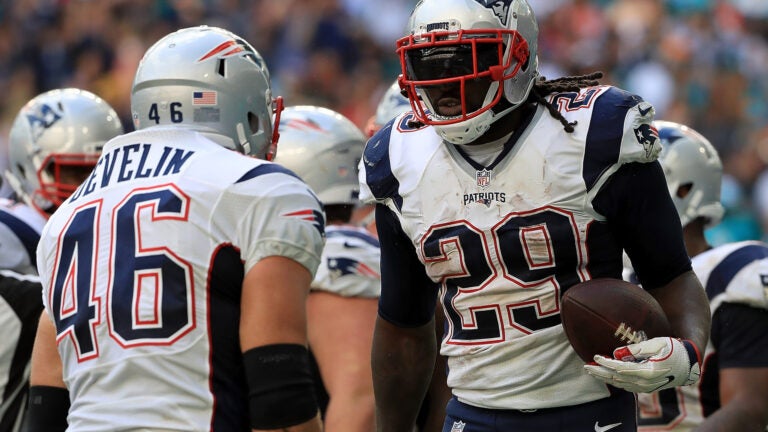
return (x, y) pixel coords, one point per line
(543, 88)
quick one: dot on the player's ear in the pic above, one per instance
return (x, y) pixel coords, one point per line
(684, 190)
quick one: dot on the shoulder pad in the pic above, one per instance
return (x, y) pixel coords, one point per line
(376, 169)
(619, 132)
(740, 275)
(266, 168)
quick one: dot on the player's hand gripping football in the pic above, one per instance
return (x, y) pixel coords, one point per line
(648, 366)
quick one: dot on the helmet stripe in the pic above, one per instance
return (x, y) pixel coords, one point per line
(223, 46)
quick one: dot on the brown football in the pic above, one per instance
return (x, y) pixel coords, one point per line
(602, 314)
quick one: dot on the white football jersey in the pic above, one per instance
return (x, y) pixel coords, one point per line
(142, 269)
(20, 308)
(493, 239)
(731, 273)
(20, 228)
(350, 264)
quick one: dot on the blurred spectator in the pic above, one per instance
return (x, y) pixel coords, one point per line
(739, 222)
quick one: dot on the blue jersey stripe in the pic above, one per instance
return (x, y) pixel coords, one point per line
(275, 169)
(266, 169)
(378, 170)
(606, 130)
(355, 234)
(26, 234)
(723, 273)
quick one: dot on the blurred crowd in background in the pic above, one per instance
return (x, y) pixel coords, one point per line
(700, 62)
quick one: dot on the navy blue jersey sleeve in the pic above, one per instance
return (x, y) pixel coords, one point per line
(642, 216)
(740, 336)
(24, 296)
(408, 296)
(377, 178)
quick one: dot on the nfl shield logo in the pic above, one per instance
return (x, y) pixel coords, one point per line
(483, 178)
(458, 426)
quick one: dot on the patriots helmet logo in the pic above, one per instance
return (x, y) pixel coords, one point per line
(39, 121)
(669, 136)
(500, 8)
(235, 47)
(303, 125)
(346, 266)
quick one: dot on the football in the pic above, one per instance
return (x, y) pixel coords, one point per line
(602, 314)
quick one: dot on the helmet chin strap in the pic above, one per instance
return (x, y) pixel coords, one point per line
(243, 140)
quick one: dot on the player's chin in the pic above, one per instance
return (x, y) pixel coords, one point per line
(449, 110)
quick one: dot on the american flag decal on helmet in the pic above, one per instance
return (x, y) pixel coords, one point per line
(309, 215)
(204, 97)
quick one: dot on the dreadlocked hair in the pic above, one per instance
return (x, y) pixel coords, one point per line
(543, 88)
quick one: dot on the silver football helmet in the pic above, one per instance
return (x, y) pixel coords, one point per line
(323, 148)
(213, 81)
(691, 162)
(55, 133)
(464, 46)
(392, 104)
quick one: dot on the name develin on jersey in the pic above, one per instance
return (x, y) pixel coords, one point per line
(132, 162)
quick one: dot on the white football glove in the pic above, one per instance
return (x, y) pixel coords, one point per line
(648, 366)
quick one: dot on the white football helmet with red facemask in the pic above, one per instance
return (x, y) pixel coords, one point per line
(58, 131)
(457, 45)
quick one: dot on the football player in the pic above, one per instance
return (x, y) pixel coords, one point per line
(175, 277)
(323, 147)
(20, 307)
(20, 228)
(54, 142)
(500, 191)
(733, 392)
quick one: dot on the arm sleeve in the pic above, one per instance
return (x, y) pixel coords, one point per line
(273, 215)
(24, 295)
(408, 295)
(640, 212)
